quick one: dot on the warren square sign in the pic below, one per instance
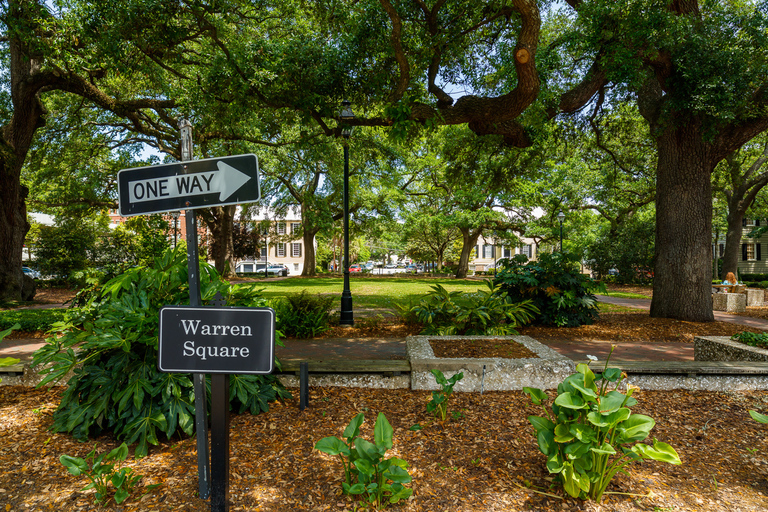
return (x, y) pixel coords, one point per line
(216, 340)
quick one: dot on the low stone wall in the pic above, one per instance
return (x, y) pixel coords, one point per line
(729, 302)
(350, 380)
(493, 374)
(721, 383)
(722, 348)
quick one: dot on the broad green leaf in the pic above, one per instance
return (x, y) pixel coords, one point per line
(582, 432)
(332, 446)
(608, 420)
(563, 433)
(353, 429)
(604, 449)
(762, 418)
(612, 401)
(635, 428)
(537, 395)
(611, 374)
(659, 451)
(570, 401)
(382, 432)
(540, 423)
(546, 440)
(74, 465)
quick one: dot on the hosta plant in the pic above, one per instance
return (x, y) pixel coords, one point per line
(106, 475)
(366, 470)
(589, 433)
(439, 403)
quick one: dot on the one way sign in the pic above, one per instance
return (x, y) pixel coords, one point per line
(188, 185)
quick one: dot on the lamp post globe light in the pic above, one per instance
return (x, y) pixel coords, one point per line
(561, 218)
(346, 317)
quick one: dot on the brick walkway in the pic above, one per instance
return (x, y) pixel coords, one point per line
(394, 348)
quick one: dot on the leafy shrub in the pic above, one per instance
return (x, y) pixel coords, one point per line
(587, 433)
(30, 320)
(111, 345)
(8, 361)
(752, 339)
(439, 403)
(302, 315)
(104, 477)
(485, 312)
(754, 277)
(763, 284)
(366, 471)
(563, 296)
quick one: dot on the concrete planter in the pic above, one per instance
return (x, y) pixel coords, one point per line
(494, 374)
(722, 348)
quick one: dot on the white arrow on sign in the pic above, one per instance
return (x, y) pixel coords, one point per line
(225, 181)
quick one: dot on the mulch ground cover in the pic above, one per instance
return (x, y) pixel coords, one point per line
(635, 327)
(485, 460)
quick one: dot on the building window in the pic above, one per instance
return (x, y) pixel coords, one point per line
(477, 251)
(296, 250)
(507, 252)
(295, 227)
(281, 228)
(295, 267)
(750, 252)
(487, 251)
(280, 250)
(526, 249)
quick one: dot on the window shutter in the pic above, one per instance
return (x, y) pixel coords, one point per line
(744, 222)
(743, 252)
(477, 251)
(757, 223)
(757, 251)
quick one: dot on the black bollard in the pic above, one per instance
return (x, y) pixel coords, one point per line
(303, 385)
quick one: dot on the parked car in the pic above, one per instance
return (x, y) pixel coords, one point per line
(280, 269)
(355, 268)
(411, 268)
(34, 274)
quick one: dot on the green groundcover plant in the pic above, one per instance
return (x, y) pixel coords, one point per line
(111, 346)
(486, 312)
(589, 433)
(8, 361)
(105, 474)
(439, 403)
(753, 339)
(31, 319)
(302, 315)
(366, 472)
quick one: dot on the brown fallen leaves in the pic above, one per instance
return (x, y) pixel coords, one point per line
(635, 327)
(486, 460)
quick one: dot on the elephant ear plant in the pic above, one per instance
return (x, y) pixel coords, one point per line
(366, 471)
(589, 432)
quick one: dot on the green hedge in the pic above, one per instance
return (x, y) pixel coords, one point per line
(754, 277)
(31, 319)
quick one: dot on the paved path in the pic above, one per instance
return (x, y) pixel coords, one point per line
(394, 348)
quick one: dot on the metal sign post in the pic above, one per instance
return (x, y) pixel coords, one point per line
(198, 379)
(198, 340)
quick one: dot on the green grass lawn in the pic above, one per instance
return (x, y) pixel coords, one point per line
(368, 292)
(624, 295)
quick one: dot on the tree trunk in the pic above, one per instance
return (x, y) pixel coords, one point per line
(308, 237)
(732, 241)
(469, 242)
(221, 221)
(13, 229)
(683, 274)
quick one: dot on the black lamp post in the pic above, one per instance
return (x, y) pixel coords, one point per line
(561, 217)
(346, 316)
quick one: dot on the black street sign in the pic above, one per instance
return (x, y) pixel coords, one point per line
(216, 340)
(188, 185)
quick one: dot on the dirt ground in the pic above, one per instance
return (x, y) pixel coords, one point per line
(483, 458)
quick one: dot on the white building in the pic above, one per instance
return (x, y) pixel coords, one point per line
(282, 244)
(486, 253)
